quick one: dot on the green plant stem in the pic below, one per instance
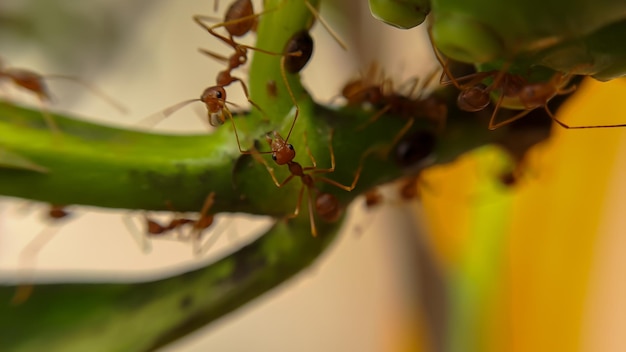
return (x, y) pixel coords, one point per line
(143, 316)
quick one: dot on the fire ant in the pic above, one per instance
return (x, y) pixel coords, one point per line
(238, 21)
(153, 228)
(325, 204)
(300, 45)
(409, 105)
(380, 92)
(387, 100)
(367, 89)
(34, 83)
(514, 89)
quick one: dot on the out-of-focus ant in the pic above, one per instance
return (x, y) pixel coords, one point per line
(156, 229)
(513, 89)
(35, 83)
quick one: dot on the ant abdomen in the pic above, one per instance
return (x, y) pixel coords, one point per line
(298, 51)
(327, 207)
(240, 9)
(473, 99)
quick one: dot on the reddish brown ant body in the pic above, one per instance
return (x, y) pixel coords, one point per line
(239, 20)
(324, 204)
(366, 89)
(205, 219)
(34, 83)
(513, 89)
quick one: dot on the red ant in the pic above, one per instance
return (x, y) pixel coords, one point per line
(34, 83)
(366, 89)
(298, 51)
(215, 97)
(325, 204)
(383, 97)
(238, 21)
(155, 229)
(406, 105)
(476, 96)
(379, 92)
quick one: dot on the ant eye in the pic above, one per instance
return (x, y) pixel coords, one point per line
(290, 146)
(274, 157)
(218, 94)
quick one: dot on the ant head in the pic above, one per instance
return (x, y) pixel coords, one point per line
(29, 80)
(473, 99)
(214, 98)
(282, 152)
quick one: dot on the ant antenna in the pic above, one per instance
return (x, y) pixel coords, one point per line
(298, 51)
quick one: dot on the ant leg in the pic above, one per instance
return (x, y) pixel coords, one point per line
(332, 33)
(245, 91)
(375, 117)
(474, 77)
(562, 124)
(311, 213)
(215, 56)
(515, 118)
(204, 246)
(413, 83)
(204, 221)
(309, 153)
(402, 132)
(283, 73)
(94, 90)
(357, 174)
(25, 288)
(443, 63)
(270, 170)
(232, 120)
(142, 240)
(48, 118)
(492, 124)
(296, 212)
